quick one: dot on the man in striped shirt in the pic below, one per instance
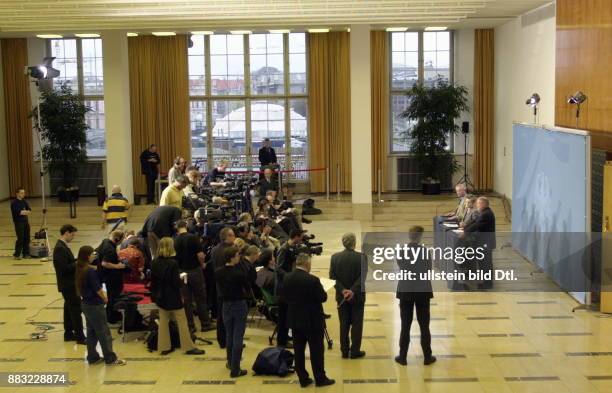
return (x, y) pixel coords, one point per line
(115, 210)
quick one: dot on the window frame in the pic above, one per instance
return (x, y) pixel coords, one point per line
(248, 97)
(81, 79)
(420, 79)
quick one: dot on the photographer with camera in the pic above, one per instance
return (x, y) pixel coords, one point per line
(173, 194)
(160, 224)
(191, 261)
(289, 251)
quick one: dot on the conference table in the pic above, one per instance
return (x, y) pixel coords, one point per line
(447, 235)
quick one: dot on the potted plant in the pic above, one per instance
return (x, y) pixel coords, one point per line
(63, 132)
(433, 110)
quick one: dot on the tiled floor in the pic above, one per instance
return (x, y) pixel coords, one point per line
(485, 342)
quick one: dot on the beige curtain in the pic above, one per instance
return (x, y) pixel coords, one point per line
(17, 106)
(484, 94)
(329, 109)
(159, 100)
(379, 70)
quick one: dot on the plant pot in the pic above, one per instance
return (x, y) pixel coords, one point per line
(67, 194)
(432, 188)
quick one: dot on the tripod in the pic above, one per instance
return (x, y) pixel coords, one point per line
(465, 179)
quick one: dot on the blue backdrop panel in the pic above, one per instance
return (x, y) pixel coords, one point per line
(550, 202)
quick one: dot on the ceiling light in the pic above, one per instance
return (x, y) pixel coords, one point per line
(163, 33)
(132, 34)
(203, 32)
(318, 30)
(240, 32)
(49, 36)
(435, 28)
(88, 35)
(390, 29)
(348, 29)
(279, 31)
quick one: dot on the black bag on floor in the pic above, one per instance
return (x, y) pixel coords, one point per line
(309, 209)
(151, 340)
(274, 361)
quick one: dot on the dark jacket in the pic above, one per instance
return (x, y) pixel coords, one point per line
(64, 264)
(346, 268)
(482, 229)
(166, 283)
(265, 186)
(146, 167)
(417, 289)
(305, 296)
(17, 205)
(161, 221)
(267, 156)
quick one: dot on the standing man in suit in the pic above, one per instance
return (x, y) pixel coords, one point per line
(65, 264)
(20, 210)
(346, 269)
(149, 166)
(305, 296)
(267, 155)
(482, 232)
(415, 294)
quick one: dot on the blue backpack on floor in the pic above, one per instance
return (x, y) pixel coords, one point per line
(274, 361)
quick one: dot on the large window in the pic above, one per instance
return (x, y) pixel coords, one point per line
(245, 88)
(415, 57)
(80, 64)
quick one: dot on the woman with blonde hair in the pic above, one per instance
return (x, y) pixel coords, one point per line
(165, 291)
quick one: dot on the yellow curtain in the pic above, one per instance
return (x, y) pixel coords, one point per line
(379, 71)
(484, 94)
(17, 106)
(329, 109)
(159, 100)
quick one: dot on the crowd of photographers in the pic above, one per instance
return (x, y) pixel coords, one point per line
(215, 247)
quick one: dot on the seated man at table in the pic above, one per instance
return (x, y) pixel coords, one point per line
(481, 233)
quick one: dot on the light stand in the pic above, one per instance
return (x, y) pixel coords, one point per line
(42, 75)
(534, 102)
(465, 179)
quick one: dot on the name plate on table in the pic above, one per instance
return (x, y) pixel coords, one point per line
(450, 225)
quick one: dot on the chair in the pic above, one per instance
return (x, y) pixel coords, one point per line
(269, 309)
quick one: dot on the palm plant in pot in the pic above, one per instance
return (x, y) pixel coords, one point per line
(63, 132)
(433, 110)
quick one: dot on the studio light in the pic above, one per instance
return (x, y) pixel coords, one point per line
(43, 74)
(281, 31)
(534, 102)
(241, 32)
(577, 99)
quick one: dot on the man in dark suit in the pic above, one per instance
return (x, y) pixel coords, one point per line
(415, 294)
(346, 268)
(267, 155)
(149, 166)
(481, 232)
(217, 261)
(268, 183)
(305, 296)
(65, 264)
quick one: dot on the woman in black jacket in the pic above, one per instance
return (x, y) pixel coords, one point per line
(165, 291)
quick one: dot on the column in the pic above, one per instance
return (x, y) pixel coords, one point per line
(361, 126)
(117, 113)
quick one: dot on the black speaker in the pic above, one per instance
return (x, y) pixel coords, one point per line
(465, 127)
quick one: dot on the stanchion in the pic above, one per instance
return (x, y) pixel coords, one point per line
(338, 180)
(327, 182)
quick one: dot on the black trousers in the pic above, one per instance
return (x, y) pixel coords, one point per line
(351, 321)
(114, 287)
(195, 291)
(22, 245)
(221, 334)
(314, 339)
(73, 323)
(151, 177)
(423, 316)
(282, 335)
